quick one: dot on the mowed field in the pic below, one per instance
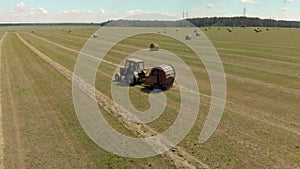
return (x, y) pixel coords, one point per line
(260, 127)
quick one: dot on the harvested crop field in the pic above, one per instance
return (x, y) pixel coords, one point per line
(260, 127)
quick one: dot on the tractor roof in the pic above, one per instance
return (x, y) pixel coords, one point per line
(134, 60)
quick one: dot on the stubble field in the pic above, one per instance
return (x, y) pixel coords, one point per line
(260, 127)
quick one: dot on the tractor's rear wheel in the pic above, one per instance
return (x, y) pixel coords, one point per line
(130, 79)
(156, 86)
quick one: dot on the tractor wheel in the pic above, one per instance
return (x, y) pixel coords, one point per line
(156, 86)
(118, 78)
(130, 79)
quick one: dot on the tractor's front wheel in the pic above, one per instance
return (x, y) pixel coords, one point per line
(118, 77)
(130, 79)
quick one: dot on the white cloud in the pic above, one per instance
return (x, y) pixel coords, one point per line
(246, 2)
(209, 6)
(23, 10)
(89, 12)
(32, 11)
(284, 9)
(74, 11)
(21, 5)
(135, 11)
(221, 4)
(165, 12)
(25, 13)
(102, 11)
(43, 11)
(65, 12)
(288, 0)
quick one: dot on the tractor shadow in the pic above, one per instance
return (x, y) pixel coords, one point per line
(144, 89)
(121, 83)
(148, 90)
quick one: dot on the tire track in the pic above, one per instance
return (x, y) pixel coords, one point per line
(19, 148)
(1, 124)
(257, 58)
(178, 156)
(258, 44)
(293, 74)
(259, 53)
(72, 50)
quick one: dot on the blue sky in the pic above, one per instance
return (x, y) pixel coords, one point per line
(100, 10)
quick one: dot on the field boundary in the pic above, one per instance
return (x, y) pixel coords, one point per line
(178, 156)
(1, 119)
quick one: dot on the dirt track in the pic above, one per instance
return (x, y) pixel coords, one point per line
(1, 130)
(20, 156)
(177, 156)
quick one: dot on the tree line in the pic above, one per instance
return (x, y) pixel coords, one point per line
(243, 22)
(199, 22)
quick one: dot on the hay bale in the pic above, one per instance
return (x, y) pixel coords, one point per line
(198, 34)
(95, 36)
(32, 31)
(205, 29)
(229, 28)
(188, 37)
(257, 30)
(154, 47)
(69, 31)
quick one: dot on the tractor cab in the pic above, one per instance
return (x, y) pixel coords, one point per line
(133, 71)
(132, 65)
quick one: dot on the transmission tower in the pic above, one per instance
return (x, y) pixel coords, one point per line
(185, 14)
(245, 12)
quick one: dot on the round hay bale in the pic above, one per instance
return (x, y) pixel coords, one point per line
(154, 47)
(188, 37)
(95, 36)
(257, 30)
(198, 34)
(69, 31)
